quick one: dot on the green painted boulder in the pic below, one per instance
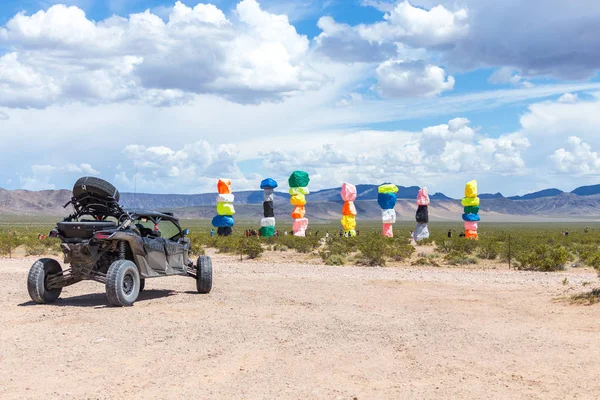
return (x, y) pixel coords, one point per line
(472, 210)
(267, 231)
(298, 179)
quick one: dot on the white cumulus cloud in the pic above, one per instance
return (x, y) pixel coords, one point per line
(42, 176)
(404, 25)
(192, 168)
(59, 55)
(418, 27)
(577, 159)
(411, 79)
(457, 147)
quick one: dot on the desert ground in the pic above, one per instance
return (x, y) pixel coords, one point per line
(284, 327)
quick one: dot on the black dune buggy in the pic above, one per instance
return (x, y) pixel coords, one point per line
(120, 248)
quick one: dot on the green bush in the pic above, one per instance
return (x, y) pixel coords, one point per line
(425, 261)
(488, 249)
(373, 249)
(456, 257)
(459, 244)
(35, 249)
(251, 247)
(420, 262)
(197, 248)
(425, 242)
(399, 251)
(228, 244)
(302, 244)
(280, 247)
(335, 259)
(544, 257)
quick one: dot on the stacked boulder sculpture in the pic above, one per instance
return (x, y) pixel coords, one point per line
(348, 210)
(298, 182)
(421, 230)
(471, 215)
(386, 198)
(267, 224)
(223, 221)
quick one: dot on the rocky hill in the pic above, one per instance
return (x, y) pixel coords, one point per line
(326, 204)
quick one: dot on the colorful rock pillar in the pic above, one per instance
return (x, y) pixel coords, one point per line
(421, 230)
(298, 182)
(267, 224)
(349, 210)
(223, 221)
(471, 214)
(386, 198)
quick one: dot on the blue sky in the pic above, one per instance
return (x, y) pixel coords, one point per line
(172, 95)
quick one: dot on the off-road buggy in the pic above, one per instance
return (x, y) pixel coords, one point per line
(120, 248)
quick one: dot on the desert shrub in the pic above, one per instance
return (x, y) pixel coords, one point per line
(420, 261)
(587, 298)
(373, 249)
(197, 248)
(462, 245)
(280, 247)
(456, 257)
(489, 249)
(251, 247)
(425, 261)
(399, 251)
(338, 246)
(425, 242)
(342, 245)
(303, 244)
(35, 249)
(594, 262)
(335, 259)
(444, 246)
(27, 237)
(228, 244)
(543, 257)
(589, 255)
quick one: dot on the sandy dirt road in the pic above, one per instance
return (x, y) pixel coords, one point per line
(279, 330)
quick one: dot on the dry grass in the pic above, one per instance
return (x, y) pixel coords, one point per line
(586, 298)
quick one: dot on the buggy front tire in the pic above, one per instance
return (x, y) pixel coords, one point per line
(204, 275)
(37, 281)
(122, 283)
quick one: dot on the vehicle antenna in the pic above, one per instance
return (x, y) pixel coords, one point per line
(135, 185)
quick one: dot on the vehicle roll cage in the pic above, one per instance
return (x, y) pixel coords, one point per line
(100, 207)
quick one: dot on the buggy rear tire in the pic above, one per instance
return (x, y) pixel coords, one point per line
(96, 186)
(36, 281)
(204, 275)
(122, 283)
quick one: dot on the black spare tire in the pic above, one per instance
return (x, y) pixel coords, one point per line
(95, 186)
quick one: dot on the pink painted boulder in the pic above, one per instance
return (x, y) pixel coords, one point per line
(388, 230)
(348, 192)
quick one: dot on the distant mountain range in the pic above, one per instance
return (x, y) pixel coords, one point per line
(581, 203)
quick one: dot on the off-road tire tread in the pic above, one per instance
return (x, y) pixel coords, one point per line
(112, 288)
(97, 186)
(38, 293)
(204, 275)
